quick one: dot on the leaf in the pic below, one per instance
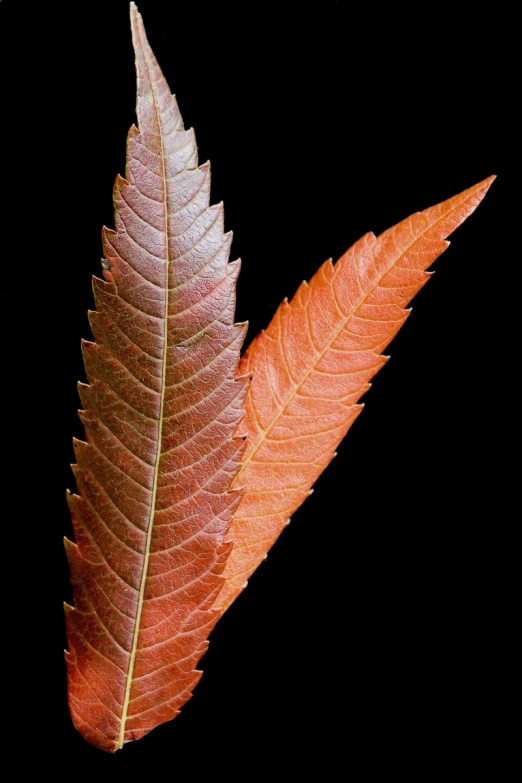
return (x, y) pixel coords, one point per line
(313, 363)
(160, 412)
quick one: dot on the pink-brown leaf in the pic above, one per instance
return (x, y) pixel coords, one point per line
(160, 410)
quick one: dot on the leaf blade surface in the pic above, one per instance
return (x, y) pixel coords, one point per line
(313, 363)
(160, 411)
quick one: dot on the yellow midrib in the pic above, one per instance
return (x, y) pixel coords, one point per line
(146, 555)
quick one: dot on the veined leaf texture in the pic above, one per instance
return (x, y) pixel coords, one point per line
(314, 362)
(161, 410)
(164, 542)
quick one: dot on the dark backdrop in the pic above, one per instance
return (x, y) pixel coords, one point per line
(371, 634)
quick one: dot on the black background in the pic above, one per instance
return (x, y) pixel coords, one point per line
(376, 631)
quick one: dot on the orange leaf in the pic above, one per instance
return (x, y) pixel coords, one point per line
(313, 363)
